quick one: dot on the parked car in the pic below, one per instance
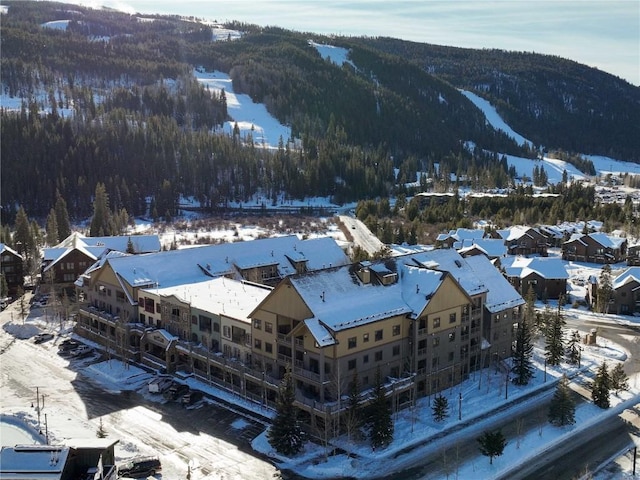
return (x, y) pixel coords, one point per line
(160, 384)
(176, 391)
(82, 351)
(191, 397)
(42, 337)
(139, 467)
(67, 346)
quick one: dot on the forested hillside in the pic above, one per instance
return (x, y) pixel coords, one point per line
(144, 128)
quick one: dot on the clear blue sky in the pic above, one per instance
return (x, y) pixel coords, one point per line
(603, 34)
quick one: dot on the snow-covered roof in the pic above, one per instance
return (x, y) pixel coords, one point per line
(193, 265)
(5, 248)
(56, 255)
(492, 247)
(629, 275)
(608, 241)
(501, 294)
(449, 260)
(141, 243)
(546, 267)
(220, 296)
(36, 462)
(514, 233)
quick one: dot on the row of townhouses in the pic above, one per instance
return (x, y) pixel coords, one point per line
(240, 315)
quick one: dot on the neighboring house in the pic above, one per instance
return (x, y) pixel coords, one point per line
(594, 248)
(547, 276)
(524, 241)
(64, 263)
(633, 256)
(555, 234)
(457, 238)
(625, 294)
(11, 268)
(492, 248)
(59, 462)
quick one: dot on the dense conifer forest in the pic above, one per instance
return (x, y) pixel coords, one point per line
(148, 132)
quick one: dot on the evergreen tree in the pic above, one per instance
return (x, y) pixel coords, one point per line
(619, 379)
(605, 290)
(440, 408)
(101, 216)
(601, 386)
(554, 348)
(522, 364)
(286, 435)
(101, 432)
(574, 351)
(562, 407)
(492, 444)
(381, 425)
(51, 238)
(23, 238)
(130, 247)
(62, 218)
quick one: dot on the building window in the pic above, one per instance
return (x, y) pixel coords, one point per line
(396, 330)
(452, 318)
(352, 364)
(365, 359)
(216, 327)
(226, 331)
(352, 342)
(497, 318)
(378, 356)
(396, 350)
(257, 324)
(434, 362)
(268, 347)
(452, 336)
(194, 320)
(436, 341)
(257, 343)
(268, 327)
(378, 335)
(436, 322)
(365, 337)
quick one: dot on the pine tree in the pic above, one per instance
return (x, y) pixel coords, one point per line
(554, 348)
(522, 365)
(492, 444)
(52, 229)
(62, 218)
(101, 215)
(601, 386)
(101, 432)
(605, 289)
(574, 351)
(381, 431)
(286, 435)
(619, 379)
(440, 408)
(23, 238)
(562, 407)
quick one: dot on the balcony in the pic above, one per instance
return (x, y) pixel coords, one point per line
(283, 338)
(97, 314)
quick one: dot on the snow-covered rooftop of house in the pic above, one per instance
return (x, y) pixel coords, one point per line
(5, 248)
(220, 296)
(607, 240)
(501, 294)
(546, 267)
(56, 255)
(37, 462)
(513, 233)
(492, 247)
(630, 274)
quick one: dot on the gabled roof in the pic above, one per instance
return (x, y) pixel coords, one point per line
(448, 260)
(5, 248)
(546, 267)
(59, 254)
(608, 241)
(193, 265)
(631, 274)
(141, 243)
(501, 295)
(491, 247)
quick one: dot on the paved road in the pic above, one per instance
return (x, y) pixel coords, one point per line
(362, 236)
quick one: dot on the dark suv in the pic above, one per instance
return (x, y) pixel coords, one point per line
(139, 467)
